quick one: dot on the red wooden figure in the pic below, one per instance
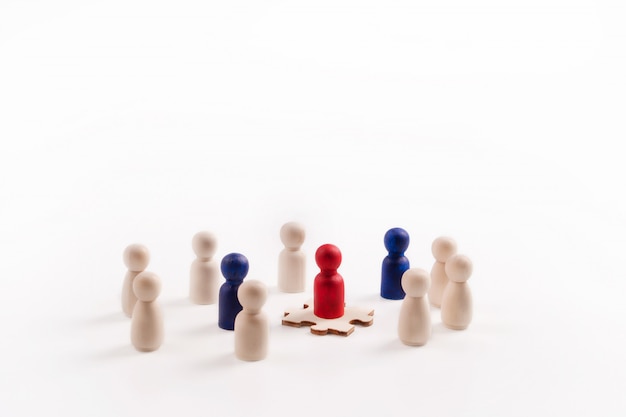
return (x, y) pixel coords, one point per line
(328, 289)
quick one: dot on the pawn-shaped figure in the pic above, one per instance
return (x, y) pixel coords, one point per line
(443, 248)
(146, 329)
(328, 288)
(292, 260)
(136, 258)
(414, 325)
(204, 273)
(456, 303)
(251, 324)
(394, 264)
(234, 268)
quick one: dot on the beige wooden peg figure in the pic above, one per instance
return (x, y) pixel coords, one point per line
(292, 260)
(414, 326)
(136, 258)
(442, 248)
(251, 324)
(146, 329)
(204, 273)
(456, 303)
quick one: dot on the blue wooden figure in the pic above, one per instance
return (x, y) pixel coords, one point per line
(234, 268)
(394, 264)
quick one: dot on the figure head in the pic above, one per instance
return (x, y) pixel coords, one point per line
(443, 247)
(147, 286)
(204, 244)
(234, 267)
(292, 235)
(458, 268)
(136, 257)
(328, 257)
(415, 282)
(396, 240)
(252, 295)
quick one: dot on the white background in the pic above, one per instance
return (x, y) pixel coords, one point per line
(499, 123)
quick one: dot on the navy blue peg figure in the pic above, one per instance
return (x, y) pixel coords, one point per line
(394, 264)
(234, 268)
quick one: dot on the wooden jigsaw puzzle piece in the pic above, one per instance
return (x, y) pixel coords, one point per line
(342, 326)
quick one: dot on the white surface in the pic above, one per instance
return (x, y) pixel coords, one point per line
(496, 122)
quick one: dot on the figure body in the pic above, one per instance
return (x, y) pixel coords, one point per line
(136, 258)
(328, 286)
(395, 264)
(251, 324)
(146, 332)
(414, 325)
(203, 274)
(292, 260)
(456, 303)
(442, 248)
(234, 268)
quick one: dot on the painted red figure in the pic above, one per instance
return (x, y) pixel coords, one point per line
(328, 289)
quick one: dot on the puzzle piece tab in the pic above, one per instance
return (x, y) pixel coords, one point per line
(342, 326)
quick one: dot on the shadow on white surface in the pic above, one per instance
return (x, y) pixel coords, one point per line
(177, 302)
(369, 299)
(117, 352)
(273, 289)
(107, 318)
(214, 362)
(439, 328)
(390, 346)
(205, 330)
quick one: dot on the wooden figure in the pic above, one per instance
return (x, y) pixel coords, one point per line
(292, 260)
(234, 268)
(251, 324)
(456, 303)
(414, 326)
(395, 263)
(204, 273)
(442, 249)
(136, 258)
(328, 287)
(146, 331)
(342, 326)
